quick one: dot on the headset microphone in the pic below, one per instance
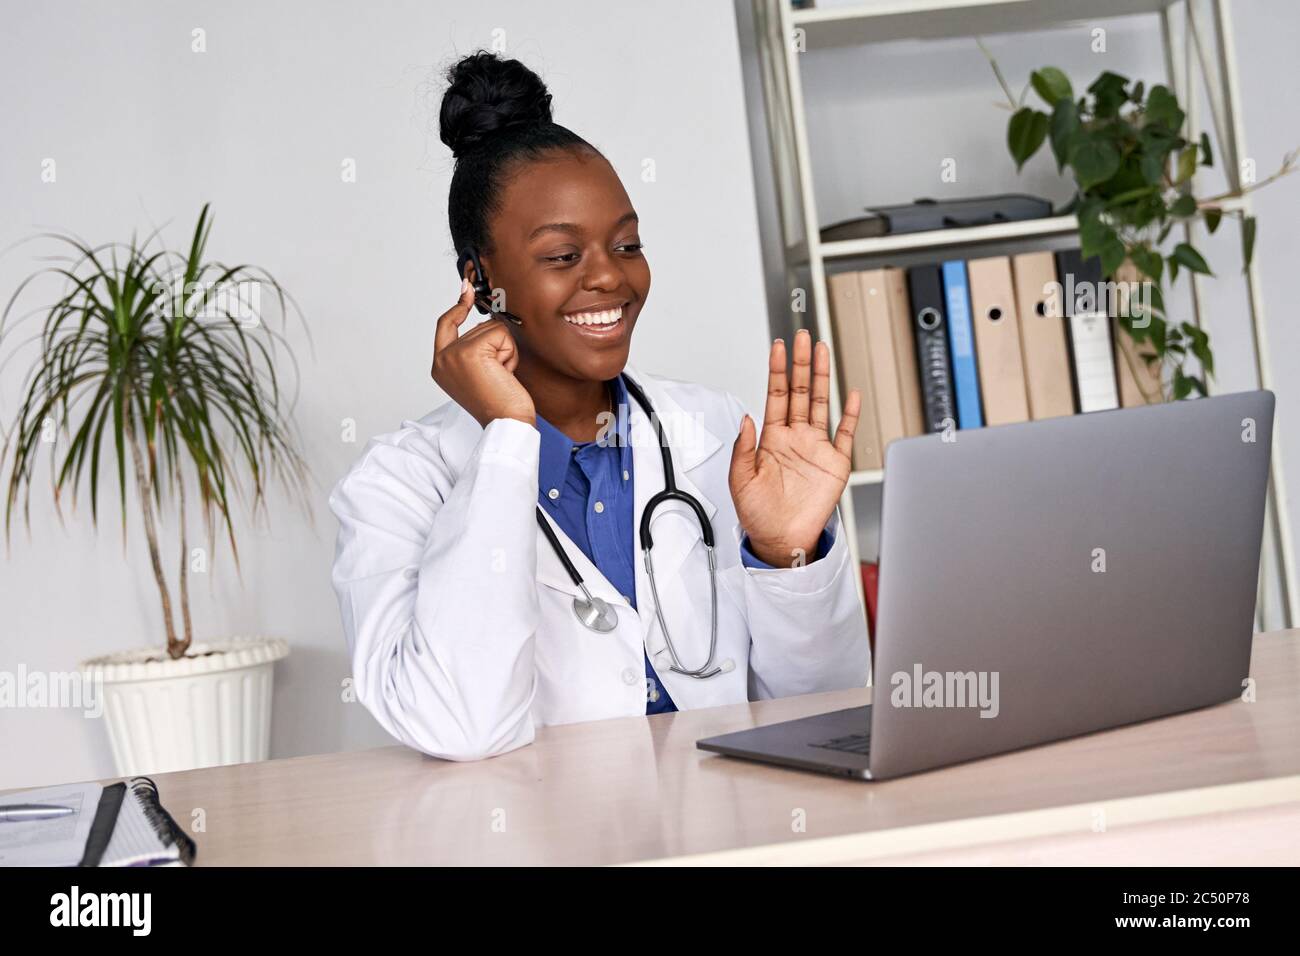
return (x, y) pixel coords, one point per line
(482, 288)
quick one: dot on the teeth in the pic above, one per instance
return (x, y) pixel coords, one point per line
(607, 317)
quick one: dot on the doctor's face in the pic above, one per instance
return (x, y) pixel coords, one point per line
(568, 257)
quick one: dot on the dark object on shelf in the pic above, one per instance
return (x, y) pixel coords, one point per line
(930, 326)
(864, 227)
(926, 215)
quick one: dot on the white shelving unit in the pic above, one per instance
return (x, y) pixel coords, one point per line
(785, 35)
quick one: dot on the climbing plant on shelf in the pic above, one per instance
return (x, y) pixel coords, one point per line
(1132, 167)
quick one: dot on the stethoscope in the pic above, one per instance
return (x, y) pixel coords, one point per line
(595, 613)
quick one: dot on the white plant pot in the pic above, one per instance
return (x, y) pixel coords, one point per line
(209, 708)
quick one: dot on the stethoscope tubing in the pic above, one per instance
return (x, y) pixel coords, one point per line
(594, 616)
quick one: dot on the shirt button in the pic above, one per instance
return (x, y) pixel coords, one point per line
(625, 474)
(654, 693)
(600, 507)
(553, 493)
(625, 597)
(630, 676)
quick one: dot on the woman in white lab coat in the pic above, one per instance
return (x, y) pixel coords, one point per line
(465, 628)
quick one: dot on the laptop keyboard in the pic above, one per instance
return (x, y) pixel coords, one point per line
(853, 744)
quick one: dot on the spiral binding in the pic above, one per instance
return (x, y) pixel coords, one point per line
(162, 822)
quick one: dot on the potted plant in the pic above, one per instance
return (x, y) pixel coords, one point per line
(161, 361)
(1132, 170)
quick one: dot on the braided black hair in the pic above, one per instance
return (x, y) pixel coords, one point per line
(494, 114)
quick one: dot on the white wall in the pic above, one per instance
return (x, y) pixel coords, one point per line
(143, 131)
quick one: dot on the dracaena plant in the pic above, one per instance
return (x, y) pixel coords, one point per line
(1132, 171)
(163, 358)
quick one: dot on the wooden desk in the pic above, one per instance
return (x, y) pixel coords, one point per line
(637, 789)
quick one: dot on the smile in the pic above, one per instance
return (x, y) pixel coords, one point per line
(606, 317)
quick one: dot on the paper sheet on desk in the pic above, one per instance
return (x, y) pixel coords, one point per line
(60, 841)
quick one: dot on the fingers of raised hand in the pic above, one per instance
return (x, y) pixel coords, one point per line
(848, 423)
(778, 385)
(819, 411)
(800, 394)
(800, 378)
(743, 454)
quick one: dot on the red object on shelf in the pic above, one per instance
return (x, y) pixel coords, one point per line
(870, 579)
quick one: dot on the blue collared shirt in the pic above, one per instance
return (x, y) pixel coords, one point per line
(586, 488)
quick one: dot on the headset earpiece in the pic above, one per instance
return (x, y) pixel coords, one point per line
(482, 290)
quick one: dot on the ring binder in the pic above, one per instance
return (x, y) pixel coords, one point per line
(110, 845)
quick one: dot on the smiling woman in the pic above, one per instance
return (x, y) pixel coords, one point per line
(485, 563)
(545, 215)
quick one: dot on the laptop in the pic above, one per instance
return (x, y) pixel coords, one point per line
(1043, 580)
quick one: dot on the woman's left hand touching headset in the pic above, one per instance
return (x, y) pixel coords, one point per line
(477, 369)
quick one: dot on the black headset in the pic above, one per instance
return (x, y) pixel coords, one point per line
(482, 288)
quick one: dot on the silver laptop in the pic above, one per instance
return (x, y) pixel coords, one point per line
(1049, 579)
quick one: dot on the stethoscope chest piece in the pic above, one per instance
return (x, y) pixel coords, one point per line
(595, 613)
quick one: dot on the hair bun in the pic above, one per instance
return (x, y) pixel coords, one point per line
(487, 95)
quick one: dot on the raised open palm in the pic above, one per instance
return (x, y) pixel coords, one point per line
(786, 485)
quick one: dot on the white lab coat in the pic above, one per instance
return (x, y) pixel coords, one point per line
(459, 616)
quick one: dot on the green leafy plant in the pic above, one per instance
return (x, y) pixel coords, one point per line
(167, 352)
(1132, 171)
